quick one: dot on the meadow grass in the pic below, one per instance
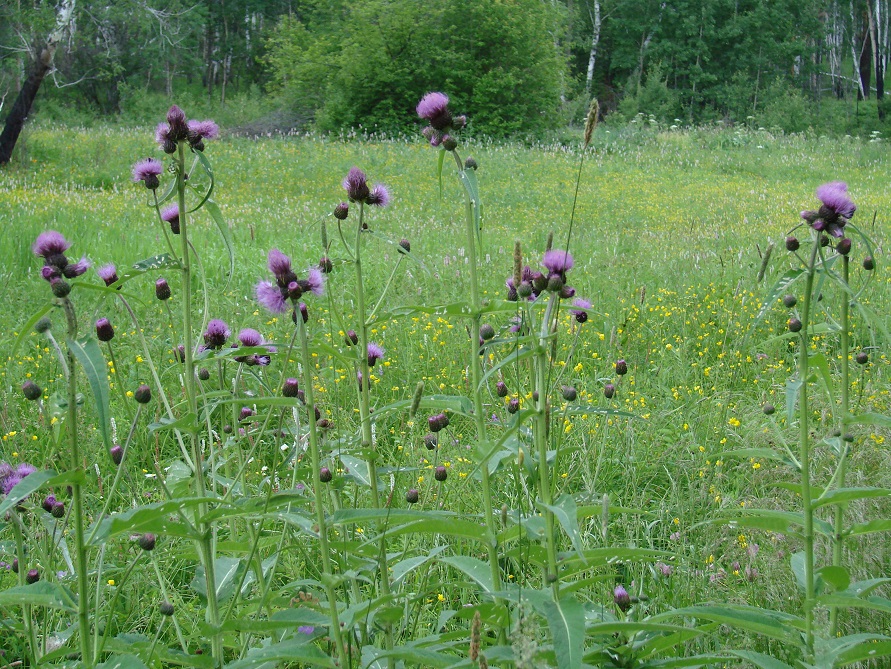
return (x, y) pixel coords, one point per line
(669, 236)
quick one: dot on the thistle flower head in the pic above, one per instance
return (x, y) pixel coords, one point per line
(315, 281)
(557, 261)
(200, 130)
(433, 106)
(622, 598)
(50, 243)
(356, 185)
(379, 196)
(176, 122)
(148, 171)
(250, 337)
(836, 209)
(270, 297)
(108, 273)
(216, 334)
(375, 353)
(171, 215)
(77, 268)
(280, 265)
(162, 289)
(580, 313)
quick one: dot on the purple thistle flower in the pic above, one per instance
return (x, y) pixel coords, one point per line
(108, 273)
(375, 353)
(24, 469)
(216, 334)
(50, 243)
(171, 215)
(270, 297)
(148, 171)
(622, 598)
(557, 261)
(250, 337)
(356, 185)
(434, 107)
(164, 139)
(176, 121)
(581, 314)
(379, 197)
(76, 269)
(104, 330)
(279, 265)
(203, 130)
(835, 196)
(315, 281)
(306, 629)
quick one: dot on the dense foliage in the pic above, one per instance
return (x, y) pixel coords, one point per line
(520, 64)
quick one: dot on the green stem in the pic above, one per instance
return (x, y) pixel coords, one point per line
(205, 543)
(80, 553)
(805, 453)
(838, 520)
(321, 521)
(23, 569)
(476, 375)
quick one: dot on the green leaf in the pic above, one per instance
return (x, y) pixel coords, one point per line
(42, 593)
(861, 588)
(760, 659)
(358, 469)
(864, 652)
(477, 570)
(286, 619)
(208, 168)
(818, 361)
(158, 518)
(840, 600)
(440, 158)
(881, 525)
(772, 624)
(187, 423)
(566, 620)
(27, 486)
(511, 358)
(876, 419)
(223, 227)
(472, 190)
(837, 577)
(843, 495)
(780, 288)
(774, 521)
(404, 567)
(797, 562)
(28, 328)
(122, 662)
(793, 387)
(293, 650)
(226, 573)
(873, 319)
(88, 354)
(564, 509)
(160, 261)
(828, 649)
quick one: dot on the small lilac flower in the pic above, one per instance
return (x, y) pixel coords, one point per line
(557, 261)
(280, 265)
(581, 314)
(315, 281)
(50, 243)
(375, 353)
(622, 598)
(306, 629)
(356, 185)
(250, 337)
(216, 334)
(836, 210)
(163, 138)
(270, 297)
(171, 215)
(76, 269)
(665, 569)
(379, 197)
(108, 273)
(148, 171)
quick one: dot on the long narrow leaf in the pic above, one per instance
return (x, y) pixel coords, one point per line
(88, 354)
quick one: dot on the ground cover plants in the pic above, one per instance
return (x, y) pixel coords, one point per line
(375, 403)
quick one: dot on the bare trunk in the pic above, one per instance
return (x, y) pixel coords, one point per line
(595, 42)
(834, 40)
(855, 58)
(43, 64)
(873, 8)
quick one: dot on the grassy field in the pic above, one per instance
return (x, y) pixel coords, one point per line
(670, 231)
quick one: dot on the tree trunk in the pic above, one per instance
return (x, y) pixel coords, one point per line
(595, 42)
(865, 66)
(873, 9)
(42, 65)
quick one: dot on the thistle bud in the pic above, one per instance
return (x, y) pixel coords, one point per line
(621, 598)
(48, 503)
(794, 325)
(789, 301)
(289, 388)
(351, 338)
(470, 164)
(861, 358)
(146, 541)
(162, 289)
(569, 393)
(31, 390)
(486, 332)
(404, 246)
(32, 576)
(609, 390)
(792, 243)
(58, 510)
(513, 405)
(143, 394)
(501, 389)
(430, 441)
(204, 374)
(768, 409)
(441, 473)
(325, 475)
(449, 143)
(341, 211)
(165, 608)
(844, 246)
(117, 454)
(325, 265)
(104, 330)
(60, 288)
(621, 367)
(412, 496)
(869, 264)
(43, 325)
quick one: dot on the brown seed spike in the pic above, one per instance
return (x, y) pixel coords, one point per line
(475, 637)
(591, 121)
(518, 264)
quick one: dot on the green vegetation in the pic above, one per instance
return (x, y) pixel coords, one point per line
(671, 228)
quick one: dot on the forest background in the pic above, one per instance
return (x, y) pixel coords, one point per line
(526, 68)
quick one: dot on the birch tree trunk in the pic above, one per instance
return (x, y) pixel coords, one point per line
(43, 64)
(595, 42)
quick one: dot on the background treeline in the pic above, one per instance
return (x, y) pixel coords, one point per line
(522, 67)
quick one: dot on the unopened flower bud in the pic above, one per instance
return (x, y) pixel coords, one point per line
(609, 390)
(622, 598)
(768, 409)
(43, 325)
(869, 264)
(48, 502)
(341, 211)
(501, 389)
(824, 240)
(412, 496)
(569, 393)
(789, 301)
(32, 576)
(441, 473)
(351, 338)
(486, 331)
(862, 357)
(289, 388)
(449, 143)
(143, 394)
(513, 405)
(470, 163)
(325, 475)
(792, 243)
(117, 454)
(60, 288)
(58, 510)
(204, 374)
(794, 325)
(146, 541)
(621, 367)
(325, 265)
(31, 390)
(404, 246)
(165, 608)
(844, 246)
(104, 330)
(162, 289)
(245, 413)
